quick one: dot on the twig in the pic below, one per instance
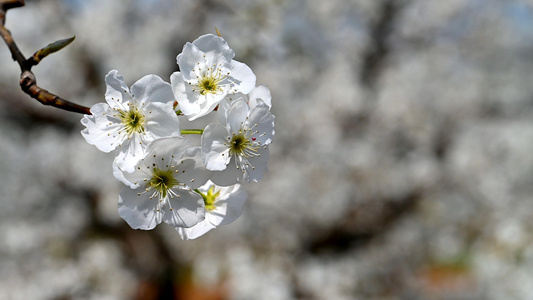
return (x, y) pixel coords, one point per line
(28, 82)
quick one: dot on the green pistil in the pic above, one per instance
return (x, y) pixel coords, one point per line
(162, 181)
(208, 84)
(239, 143)
(133, 120)
(209, 198)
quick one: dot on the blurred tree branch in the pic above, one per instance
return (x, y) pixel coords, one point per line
(379, 48)
(28, 82)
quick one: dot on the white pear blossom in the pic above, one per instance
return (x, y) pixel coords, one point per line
(238, 148)
(208, 74)
(131, 118)
(161, 188)
(223, 205)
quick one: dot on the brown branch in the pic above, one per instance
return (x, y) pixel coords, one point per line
(8, 4)
(28, 82)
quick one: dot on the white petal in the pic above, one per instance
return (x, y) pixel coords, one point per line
(222, 111)
(161, 121)
(260, 92)
(187, 210)
(229, 176)
(138, 211)
(214, 153)
(262, 121)
(253, 172)
(228, 206)
(196, 231)
(187, 100)
(198, 105)
(179, 90)
(188, 59)
(133, 179)
(131, 152)
(117, 92)
(213, 43)
(237, 114)
(151, 88)
(166, 147)
(192, 171)
(119, 174)
(243, 76)
(101, 128)
(260, 166)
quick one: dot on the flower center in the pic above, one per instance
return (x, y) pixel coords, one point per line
(162, 181)
(210, 79)
(208, 85)
(241, 145)
(133, 120)
(210, 198)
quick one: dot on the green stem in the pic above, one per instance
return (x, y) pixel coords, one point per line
(192, 131)
(201, 194)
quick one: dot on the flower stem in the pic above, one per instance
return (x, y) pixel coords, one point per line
(192, 131)
(201, 194)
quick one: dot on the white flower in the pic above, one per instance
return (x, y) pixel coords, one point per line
(223, 205)
(208, 74)
(131, 118)
(161, 187)
(238, 148)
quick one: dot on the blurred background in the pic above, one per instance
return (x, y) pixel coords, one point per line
(402, 166)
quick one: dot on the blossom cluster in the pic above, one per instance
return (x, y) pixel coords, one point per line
(192, 184)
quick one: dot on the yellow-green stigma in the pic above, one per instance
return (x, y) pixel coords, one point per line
(210, 198)
(239, 145)
(133, 120)
(207, 85)
(162, 181)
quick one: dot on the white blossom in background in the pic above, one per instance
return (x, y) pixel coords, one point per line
(238, 147)
(223, 205)
(207, 75)
(161, 187)
(131, 118)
